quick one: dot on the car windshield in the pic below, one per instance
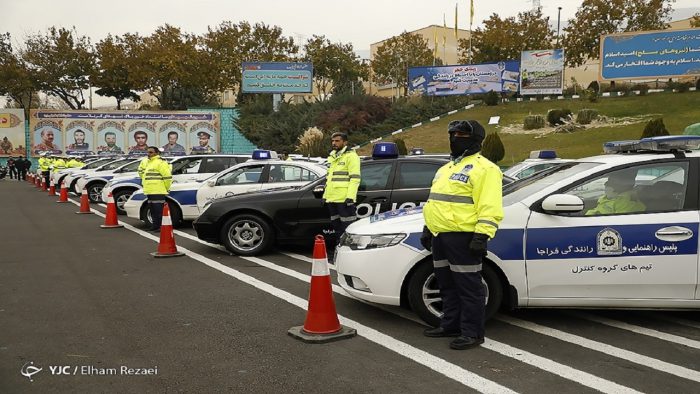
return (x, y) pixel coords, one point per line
(520, 189)
(115, 164)
(95, 164)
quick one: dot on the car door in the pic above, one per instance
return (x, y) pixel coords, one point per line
(648, 250)
(374, 193)
(240, 180)
(412, 183)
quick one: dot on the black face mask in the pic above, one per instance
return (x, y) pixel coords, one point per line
(464, 146)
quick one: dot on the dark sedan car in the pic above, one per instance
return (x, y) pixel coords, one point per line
(250, 224)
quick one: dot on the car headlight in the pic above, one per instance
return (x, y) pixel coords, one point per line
(362, 242)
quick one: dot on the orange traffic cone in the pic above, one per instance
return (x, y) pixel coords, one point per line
(84, 203)
(30, 178)
(111, 217)
(37, 181)
(166, 246)
(52, 189)
(321, 324)
(42, 186)
(63, 197)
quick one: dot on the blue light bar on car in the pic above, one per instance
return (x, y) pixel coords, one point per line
(260, 154)
(385, 150)
(665, 143)
(543, 154)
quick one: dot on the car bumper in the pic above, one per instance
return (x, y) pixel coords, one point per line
(133, 208)
(376, 275)
(206, 229)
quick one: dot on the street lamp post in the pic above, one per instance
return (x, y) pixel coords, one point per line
(558, 23)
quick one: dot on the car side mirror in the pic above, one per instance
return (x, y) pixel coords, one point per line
(211, 182)
(318, 191)
(562, 203)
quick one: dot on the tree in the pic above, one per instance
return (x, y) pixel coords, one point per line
(503, 39)
(493, 148)
(230, 44)
(597, 17)
(61, 62)
(336, 66)
(397, 54)
(113, 74)
(16, 81)
(176, 71)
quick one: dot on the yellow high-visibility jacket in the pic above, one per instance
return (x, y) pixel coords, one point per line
(156, 175)
(343, 178)
(466, 196)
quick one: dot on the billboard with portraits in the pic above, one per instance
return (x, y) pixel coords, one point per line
(80, 131)
(12, 132)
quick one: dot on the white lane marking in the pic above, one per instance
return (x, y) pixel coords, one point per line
(304, 258)
(556, 368)
(604, 348)
(419, 356)
(564, 371)
(638, 330)
(542, 363)
(677, 320)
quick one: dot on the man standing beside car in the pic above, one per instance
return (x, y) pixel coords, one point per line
(342, 183)
(463, 211)
(156, 178)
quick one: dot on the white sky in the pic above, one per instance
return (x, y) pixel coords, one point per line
(360, 22)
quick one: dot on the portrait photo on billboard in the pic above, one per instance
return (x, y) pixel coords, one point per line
(12, 132)
(172, 139)
(141, 135)
(47, 137)
(203, 139)
(80, 137)
(110, 138)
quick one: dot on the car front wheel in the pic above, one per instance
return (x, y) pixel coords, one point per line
(424, 293)
(120, 198)
(94, 192)
(247, 235)
(175, 214)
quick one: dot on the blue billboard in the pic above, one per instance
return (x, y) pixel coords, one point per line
(464, 79)
(273, 77)
(644, 55)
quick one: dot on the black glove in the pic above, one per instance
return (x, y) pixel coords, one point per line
(478, 244)
(426, 239)
(349, 201)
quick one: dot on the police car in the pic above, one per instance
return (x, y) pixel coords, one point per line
(294, 215)
(71, 180)
(95, 182)
(539, 160)
(554, 248)
(59, 176)
(262, 172)
(185, 169)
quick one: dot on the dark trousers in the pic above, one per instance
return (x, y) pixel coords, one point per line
(13, 173)
(22, 174)
(47, 177)
(458, 274)
(342, 215)
(155, 205)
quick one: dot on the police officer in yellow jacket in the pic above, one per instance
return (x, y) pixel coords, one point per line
(342, 182)
(463, 211)
(45, 167)
(156, 178)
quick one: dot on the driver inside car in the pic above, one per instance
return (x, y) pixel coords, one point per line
(619, 196)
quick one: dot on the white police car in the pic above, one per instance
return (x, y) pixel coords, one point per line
(555, 246)
(262, 172)
(95, 182)
(71, 180)
(539, 160)
(184, 168)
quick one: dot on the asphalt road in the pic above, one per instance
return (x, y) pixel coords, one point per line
(90, 307)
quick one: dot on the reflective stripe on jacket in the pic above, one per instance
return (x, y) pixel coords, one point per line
(44, 164)
(59, 164)
(156, 175)
(343, 178)
(466, 196)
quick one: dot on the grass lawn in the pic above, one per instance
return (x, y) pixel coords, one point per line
(677, 109)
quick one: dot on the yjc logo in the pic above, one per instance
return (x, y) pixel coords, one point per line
(30, 370)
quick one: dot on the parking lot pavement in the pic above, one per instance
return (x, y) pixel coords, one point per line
(80, 302)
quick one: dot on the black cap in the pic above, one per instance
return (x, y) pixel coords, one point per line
(203, 133)
(467, 126)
